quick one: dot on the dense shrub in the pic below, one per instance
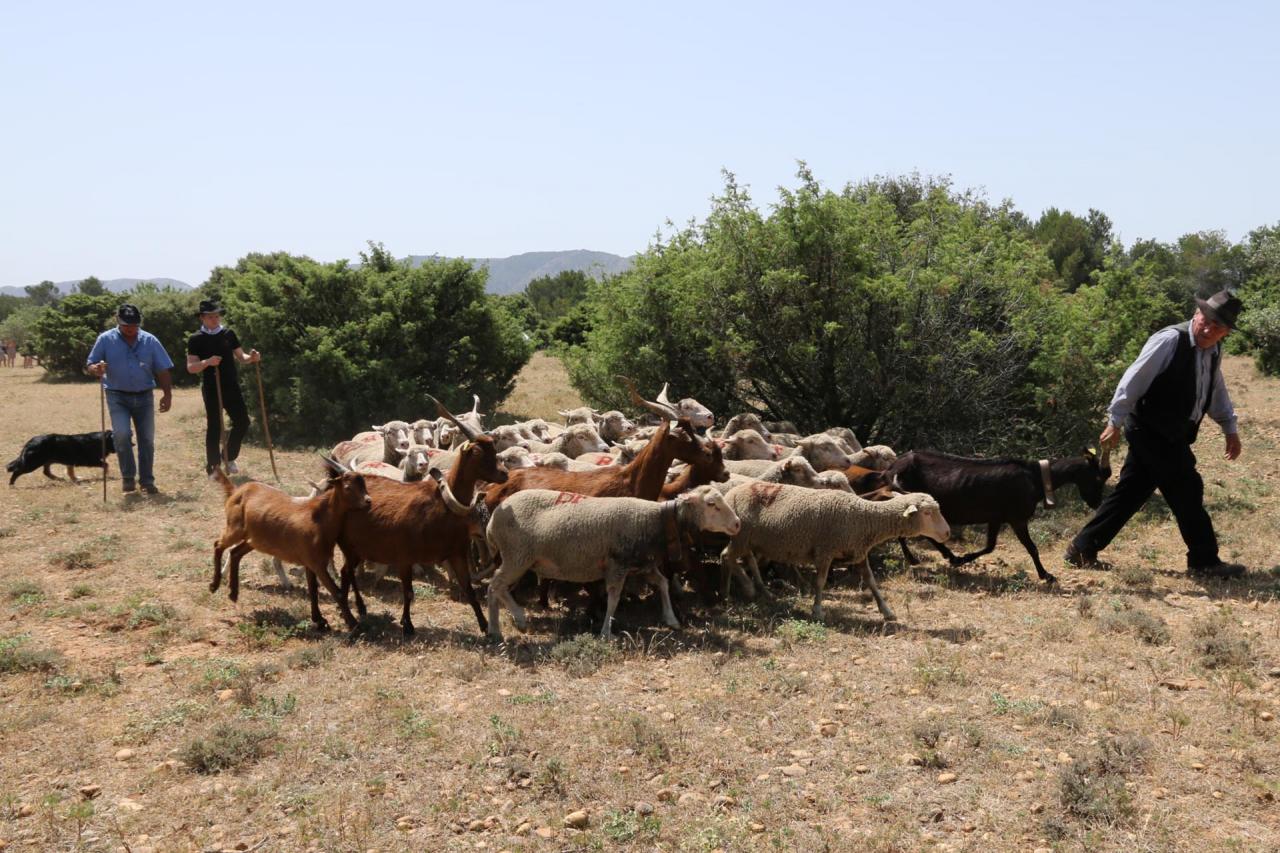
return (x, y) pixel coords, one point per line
(916, 314)
(345, 347)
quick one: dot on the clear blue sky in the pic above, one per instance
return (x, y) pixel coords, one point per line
(162, 139)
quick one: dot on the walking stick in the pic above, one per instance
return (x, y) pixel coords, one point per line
(102, 400)
(222, 426)
(266, 430)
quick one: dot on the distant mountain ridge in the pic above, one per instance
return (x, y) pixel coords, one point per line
(513, 274)
(506, 275)
(115, 285)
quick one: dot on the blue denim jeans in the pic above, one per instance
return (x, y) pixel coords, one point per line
(133, 416)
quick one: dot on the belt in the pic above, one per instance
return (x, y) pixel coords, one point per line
(118, 391)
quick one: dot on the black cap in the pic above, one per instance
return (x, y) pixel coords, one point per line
(1222, 307)
(129, 315)
(209, 306)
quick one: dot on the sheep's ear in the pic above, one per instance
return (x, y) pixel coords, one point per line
(910, 510)
(562, 413)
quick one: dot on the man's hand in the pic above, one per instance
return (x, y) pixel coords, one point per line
(1110, 438)
(254, 356)
(214, 360)
(1233, 446)
(166, 400)
(98, 369)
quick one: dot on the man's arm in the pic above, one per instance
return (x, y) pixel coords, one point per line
(1222, 411)
(165, 381)
(249, 357)
(95, 365)
(1156, 354)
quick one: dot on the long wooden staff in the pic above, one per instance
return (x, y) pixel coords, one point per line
(266, 430)
(222, 426)
(102, 400)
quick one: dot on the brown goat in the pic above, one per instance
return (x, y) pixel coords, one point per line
(295, 530)
(864, 480)
(424, 522)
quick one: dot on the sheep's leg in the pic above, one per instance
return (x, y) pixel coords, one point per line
(658, 579)
(819, 583)
(233, 569)
(313, 592)
(728, 565)
(993, 530)
(544, 593)
(615, 579)
(513, 606)
(1024, 536)
(462, 577)
(869, 580)
(754, 565)
(500, 593)
(280, 575)
(405, 572)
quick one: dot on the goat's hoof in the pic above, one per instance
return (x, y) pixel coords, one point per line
(213, 587)
(1049, 580)
(361, 609)
(321, 625)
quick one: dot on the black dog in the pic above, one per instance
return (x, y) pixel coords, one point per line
(42, 451)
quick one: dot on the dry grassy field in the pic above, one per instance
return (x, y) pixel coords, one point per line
(1125, 710)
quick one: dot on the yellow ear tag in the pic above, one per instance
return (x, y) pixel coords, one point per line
(466, 445)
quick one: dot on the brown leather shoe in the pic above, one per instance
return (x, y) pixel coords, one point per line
(1083, 559)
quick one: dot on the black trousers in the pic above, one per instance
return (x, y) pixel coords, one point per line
(1156, 463)
(233, 402)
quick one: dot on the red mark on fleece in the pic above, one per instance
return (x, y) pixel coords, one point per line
(602, 460)
(569, 498)
(764, 494)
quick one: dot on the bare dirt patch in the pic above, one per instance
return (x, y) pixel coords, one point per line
(1132, 710)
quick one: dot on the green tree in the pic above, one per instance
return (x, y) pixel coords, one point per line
(170, 314)
(92, 286)
(913, 313)
(554, 296)
(1076, 246)
(63, 334)
(44, 293)
(345, 347)
(18, 325)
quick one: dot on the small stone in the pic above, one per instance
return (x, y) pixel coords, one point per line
(756, 827)
(996, 655)
(643, 808)
(1065, 758)
(669, 717)
(828, 729)
(523, 828)
(762, 777)
(576, 820)
(793, 770)
(946, 778)
(862, 768)
(475, 826)
(689, 798)
(545, 832)
(124, 754)
(1217, 795)
(1037, 808)
(910, 759)
(623, 769)
(129, 805)
(504, 692)
(723, 801)
(1091, 705)
(666, 795)
(404, 824)
(1266, 716)
(859, 661)
(226, 695)
(90, 791)
(1197, 765)
(26, 810)
(1159, 793)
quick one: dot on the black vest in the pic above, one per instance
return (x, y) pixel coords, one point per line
(1167, 406)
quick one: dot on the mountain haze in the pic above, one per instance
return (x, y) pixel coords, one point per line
(512, 274)
(115, 285)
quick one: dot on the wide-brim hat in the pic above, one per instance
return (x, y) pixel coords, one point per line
(1222, 307)
(209, 306)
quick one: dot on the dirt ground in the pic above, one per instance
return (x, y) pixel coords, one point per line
(1124, 710)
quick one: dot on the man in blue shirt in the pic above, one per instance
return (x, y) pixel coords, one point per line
(1159, 403)
(130, 363)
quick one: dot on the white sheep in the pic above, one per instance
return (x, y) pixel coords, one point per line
(824, 452)
(747, 444)
(423, 431)
(575, 441)
(790, 524)
(699, 416)
(508, 436)
(384, 443)
(846, 435)
(794, 471)
(413, 466)
(569, 537)
(745, 420)
(877, 457)
(515, 457)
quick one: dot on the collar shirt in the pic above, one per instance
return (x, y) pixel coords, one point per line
(130, 367)
(1151, 362)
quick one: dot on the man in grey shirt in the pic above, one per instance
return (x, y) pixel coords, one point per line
(1159, 403)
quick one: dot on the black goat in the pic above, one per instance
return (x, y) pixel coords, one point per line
(995, 492)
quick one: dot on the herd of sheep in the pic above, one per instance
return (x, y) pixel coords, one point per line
(600, 499)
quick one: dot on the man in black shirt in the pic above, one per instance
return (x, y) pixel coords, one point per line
(216, 346)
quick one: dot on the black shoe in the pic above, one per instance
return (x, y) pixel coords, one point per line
(128, 485)
(150, 488)
(1083, 559)
(1218, 570)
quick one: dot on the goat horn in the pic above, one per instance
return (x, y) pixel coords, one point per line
(446, 494)
(657, 408)
(445, 413)
(334, 465)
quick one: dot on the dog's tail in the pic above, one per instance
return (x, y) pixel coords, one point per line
(227, 485)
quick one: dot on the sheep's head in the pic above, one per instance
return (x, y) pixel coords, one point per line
(926, 517)
(749, 444)
(711, 511)
(396, 434)
(697, 414)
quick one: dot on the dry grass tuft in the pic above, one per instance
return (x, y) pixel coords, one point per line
(229, 746)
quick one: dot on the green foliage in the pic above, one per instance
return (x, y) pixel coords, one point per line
(347, 347)
(916, 314)
(19, 323)
(582, 655)
(228, 746)
(170, 315)
(1261, 296)
(42, 294)
(92, 286)
(64, 333)
(10, 304)
(554, 296)
(1077, 247)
